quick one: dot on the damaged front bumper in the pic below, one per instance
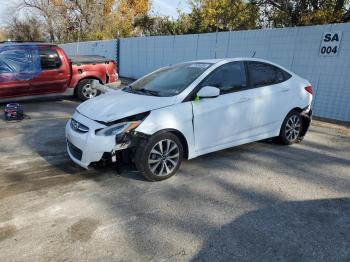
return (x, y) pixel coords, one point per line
(86, 148)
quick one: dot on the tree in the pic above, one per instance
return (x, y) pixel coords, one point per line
(223, 15)
(282, 13)
(71, 20)
(129, 13)
(161, 25)
(27, 29)
(81, 20)
(216, 15)
(3, 35)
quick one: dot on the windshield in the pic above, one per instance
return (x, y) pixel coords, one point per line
(168, 81)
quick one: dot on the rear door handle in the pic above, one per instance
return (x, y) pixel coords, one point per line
(285, 89)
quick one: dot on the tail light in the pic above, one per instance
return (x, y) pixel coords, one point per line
(308, 89)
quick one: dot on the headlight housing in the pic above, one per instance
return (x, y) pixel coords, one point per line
(118, 128)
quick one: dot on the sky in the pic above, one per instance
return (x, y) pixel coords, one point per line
(169, 7)
(4, 5)
(162, 7)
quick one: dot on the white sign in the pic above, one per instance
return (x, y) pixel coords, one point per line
(330, 43)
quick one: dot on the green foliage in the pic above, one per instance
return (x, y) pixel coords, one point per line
(282, 13)
(70, 21)
(223, 15)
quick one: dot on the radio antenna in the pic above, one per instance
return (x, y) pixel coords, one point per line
(254, 54)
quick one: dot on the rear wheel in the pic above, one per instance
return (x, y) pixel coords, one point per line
(291, 128)
(85, 90)
(160, 157)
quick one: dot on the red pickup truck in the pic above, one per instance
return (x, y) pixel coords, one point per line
(36, 69)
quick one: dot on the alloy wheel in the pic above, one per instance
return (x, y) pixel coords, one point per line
(88, 91)
(293, 128)
(164, 157)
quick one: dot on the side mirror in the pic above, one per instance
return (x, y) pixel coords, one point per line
(208, 92)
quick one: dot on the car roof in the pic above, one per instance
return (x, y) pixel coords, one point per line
(233, 59)
(218, 60)
(14, 43)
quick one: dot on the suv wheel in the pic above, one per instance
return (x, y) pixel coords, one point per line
(291, 128)
(160, 157)
(85, 90)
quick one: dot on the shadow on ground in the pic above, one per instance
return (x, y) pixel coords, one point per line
(316, 230)
(231, 205)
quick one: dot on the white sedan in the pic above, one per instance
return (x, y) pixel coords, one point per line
(190, 109)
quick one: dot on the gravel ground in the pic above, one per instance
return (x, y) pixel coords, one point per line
(257, 202)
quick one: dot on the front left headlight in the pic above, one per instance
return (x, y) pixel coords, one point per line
(118, 128)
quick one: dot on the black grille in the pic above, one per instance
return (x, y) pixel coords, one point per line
(75, 152)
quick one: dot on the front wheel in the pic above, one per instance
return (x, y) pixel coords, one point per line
(291, 128)
(160, 157)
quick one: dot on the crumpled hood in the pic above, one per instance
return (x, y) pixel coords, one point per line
(119, 104)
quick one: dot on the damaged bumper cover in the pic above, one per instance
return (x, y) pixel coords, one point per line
(306, 116)
(84, 147)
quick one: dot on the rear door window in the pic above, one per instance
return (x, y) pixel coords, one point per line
(262, 74)
(49, 59)
(228, 78)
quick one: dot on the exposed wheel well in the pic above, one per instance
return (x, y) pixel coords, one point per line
(296, 109)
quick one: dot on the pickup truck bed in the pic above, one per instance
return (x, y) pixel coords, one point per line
(88, 59)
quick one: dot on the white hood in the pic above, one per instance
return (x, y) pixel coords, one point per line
(119, 104)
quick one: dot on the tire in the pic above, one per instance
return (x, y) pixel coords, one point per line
(157, 163)
(84, 91)
(291, 128)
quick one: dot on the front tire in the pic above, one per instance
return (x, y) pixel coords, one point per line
(160, 157)
(85, 91)
(291, 129)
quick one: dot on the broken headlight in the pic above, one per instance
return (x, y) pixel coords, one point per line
(118, 128)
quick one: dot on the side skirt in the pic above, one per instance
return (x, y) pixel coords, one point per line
(68, 92)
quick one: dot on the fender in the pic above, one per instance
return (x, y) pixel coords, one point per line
(76, 78)
(178, 119)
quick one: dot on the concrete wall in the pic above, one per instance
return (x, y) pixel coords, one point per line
(294, 48)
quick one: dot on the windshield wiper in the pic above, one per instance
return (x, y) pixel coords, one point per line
(140, 91)
(129, 89)
(148, 92)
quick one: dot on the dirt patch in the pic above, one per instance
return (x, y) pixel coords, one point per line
(83, 229)
(7, 232)
(340, 129)
(5, 215)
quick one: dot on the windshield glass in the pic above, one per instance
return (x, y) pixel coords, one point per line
(168, 81)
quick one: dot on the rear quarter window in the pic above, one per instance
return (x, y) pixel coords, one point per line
(263, 74)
